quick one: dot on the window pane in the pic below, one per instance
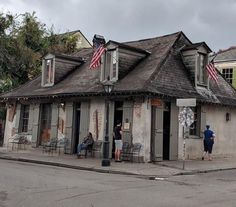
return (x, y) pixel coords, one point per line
(25, 118)
(193, 127)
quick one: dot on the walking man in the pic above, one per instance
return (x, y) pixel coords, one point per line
(208, 142)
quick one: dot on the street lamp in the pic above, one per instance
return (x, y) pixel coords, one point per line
(107, 87)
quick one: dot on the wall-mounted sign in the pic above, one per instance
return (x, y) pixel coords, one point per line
(126, 126)
(186, 102)
(156, 102)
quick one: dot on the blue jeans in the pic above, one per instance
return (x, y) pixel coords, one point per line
(80, 147)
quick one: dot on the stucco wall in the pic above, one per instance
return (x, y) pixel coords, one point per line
(8, 128)
(142, 126)
(97, 112)
(225, 141)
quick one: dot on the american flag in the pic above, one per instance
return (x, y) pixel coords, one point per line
(212, 73)
(96, 59)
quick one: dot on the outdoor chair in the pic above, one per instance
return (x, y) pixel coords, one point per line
(97, 146)
(50, 146)
(62, 144)
(135, 151)
(126, 151)
(18, 140)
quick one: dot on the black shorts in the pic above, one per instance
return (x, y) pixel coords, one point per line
(208, 145)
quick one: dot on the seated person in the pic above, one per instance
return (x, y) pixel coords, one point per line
(88, 141)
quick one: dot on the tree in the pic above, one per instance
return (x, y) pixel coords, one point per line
(24, 40)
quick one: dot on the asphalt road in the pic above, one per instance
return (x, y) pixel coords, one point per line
(31, 185)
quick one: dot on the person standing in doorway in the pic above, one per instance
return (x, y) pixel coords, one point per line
(208, 142)
(118, 141)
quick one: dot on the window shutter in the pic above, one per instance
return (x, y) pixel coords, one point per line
(30, 122)
(17, 121)
(54, 121)
(174, 125)
(128, 117)
(203, 123)
(68, 125)
(84, 123)
(35, 124)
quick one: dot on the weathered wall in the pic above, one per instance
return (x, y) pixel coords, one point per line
(97, 113)
(61, 122)
(142, 126)
(225, 141)
(9, 128)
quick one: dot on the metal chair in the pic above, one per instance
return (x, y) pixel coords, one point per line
(126, 151)
(50, 146)
(135, 151)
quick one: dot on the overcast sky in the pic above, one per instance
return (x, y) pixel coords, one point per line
(212, 21)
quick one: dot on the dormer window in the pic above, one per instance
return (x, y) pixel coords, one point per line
(48, 71)
(195, 58)
(109, 70)
(119, 59)
(200, 68)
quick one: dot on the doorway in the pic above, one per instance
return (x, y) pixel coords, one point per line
(45, 123)
(160, 132)
(118, 116)
(166, 132)
(77, 127)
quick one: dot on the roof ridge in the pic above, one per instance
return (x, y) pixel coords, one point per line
(225, 50)
(151, 38)
(164, 59)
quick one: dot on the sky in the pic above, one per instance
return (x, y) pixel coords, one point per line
(212, 21)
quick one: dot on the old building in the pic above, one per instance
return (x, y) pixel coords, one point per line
(68, 100)
(225, 61)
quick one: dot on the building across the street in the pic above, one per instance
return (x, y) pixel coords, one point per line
(225, 62)
(149, 75)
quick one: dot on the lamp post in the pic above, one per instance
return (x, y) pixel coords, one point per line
(107, 87)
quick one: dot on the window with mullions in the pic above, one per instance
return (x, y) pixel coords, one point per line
(109, 68)
(228, 74)
(194, 129)
(201, 72)
(24, 118)
(48, 72)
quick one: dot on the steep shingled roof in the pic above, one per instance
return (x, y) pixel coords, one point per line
(162, 72)
(226, 55)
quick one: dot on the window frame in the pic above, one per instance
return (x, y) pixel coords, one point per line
(197, 122)
(230, 73)
(48, 73)
(201, 74)
(109, 66)
(24, 121)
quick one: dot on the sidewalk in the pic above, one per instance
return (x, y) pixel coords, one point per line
(148, 170)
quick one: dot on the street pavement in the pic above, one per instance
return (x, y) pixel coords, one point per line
(148, 170)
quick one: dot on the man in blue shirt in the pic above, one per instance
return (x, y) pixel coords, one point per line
(208, 142)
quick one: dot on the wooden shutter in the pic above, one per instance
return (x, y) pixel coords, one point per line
(54, 121)
(128, 117)
(17, 120)
(68, 126)
(35, 129)
(30, 121)
(174, 125)
(158, 140)
(84, 120)
(203, 123)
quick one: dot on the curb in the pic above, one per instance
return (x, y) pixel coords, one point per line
(57, 164)
(109, 171)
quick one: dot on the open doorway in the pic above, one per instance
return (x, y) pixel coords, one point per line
(166, 132)
(77, 127)
(160, 132)
(118, 115)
